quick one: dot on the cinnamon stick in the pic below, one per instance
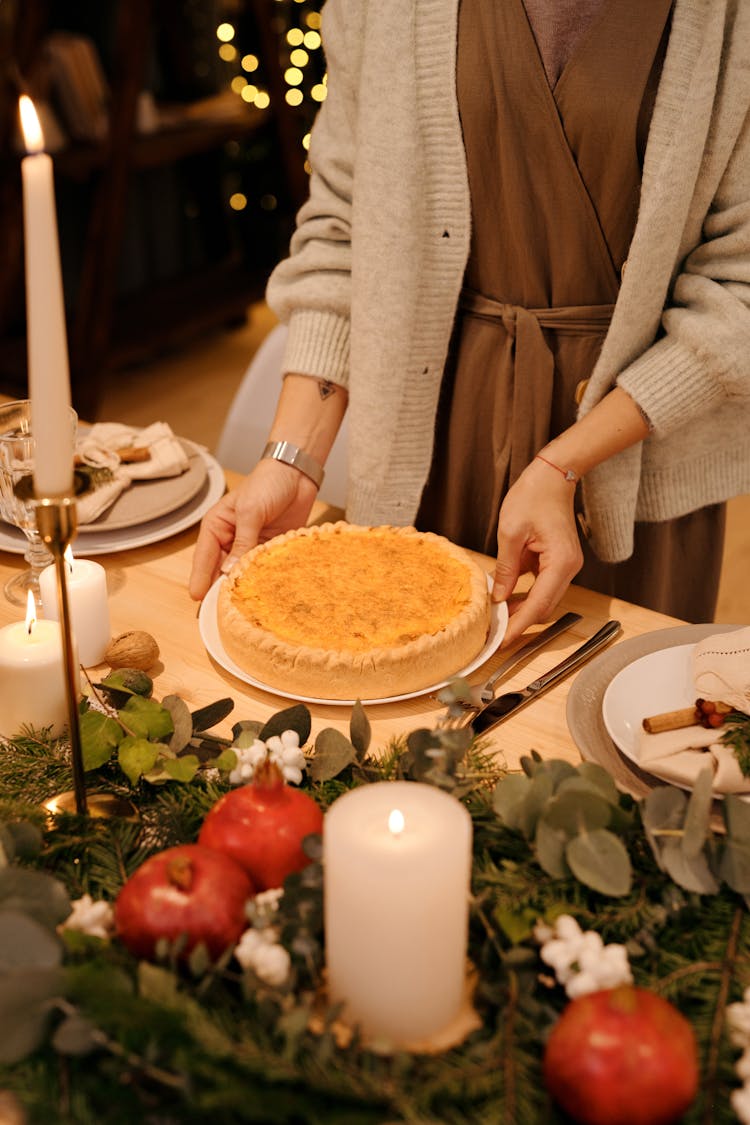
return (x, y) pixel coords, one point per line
(132, 453)
(705, 713)
(671, 720)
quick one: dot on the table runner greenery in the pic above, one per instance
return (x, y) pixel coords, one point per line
(91, 1035)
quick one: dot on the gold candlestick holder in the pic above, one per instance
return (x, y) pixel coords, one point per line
(56, 522)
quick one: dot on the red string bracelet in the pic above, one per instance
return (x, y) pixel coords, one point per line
(567, 473)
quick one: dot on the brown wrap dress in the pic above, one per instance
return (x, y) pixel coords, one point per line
(554, 176)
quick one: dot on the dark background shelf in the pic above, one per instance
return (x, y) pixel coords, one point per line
(153, 254)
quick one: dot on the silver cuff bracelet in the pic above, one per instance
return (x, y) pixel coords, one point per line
(293, 455)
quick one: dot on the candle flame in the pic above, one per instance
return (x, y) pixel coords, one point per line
(68, 556)
(30, 612)
(396, 822)
(32, 131)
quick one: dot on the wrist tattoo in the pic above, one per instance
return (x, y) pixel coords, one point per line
(326, 388)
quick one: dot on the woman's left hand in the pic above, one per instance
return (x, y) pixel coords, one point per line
(536, 533)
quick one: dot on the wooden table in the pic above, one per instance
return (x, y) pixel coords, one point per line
(148, 590)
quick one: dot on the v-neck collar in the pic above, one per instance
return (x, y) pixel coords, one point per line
(578, 45)
(548, 95)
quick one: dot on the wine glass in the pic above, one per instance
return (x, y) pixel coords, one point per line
(17, 500)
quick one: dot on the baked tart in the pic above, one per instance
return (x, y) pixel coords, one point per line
(347, 612)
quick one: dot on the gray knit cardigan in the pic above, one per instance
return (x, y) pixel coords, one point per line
(371, 285)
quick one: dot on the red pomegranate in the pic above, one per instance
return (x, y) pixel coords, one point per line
(622, 1056)
(187, 890)
(262, 826)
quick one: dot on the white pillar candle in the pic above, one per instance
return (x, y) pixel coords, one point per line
(397, 868)
(32, 681)
(89, 608)
(49, 379)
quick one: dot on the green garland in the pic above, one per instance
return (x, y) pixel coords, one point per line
(108, 1039)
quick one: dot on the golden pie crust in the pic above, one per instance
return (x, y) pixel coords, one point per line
(347, 612)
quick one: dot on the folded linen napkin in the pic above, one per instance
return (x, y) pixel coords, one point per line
(101, 446)
(721, 671)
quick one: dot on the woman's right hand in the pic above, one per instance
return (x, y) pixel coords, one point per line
(272, 499)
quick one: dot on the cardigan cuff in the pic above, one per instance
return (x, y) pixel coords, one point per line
(671, 385)
(318, 344)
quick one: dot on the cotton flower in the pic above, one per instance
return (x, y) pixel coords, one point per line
(248, 758)
(282, 749)
(743, 1065)
(260, 951)
(94, 918)
(738, 1021)
(581, 961)
(740, 1100)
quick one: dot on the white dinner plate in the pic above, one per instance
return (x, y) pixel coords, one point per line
(586, 696)
(153, 531)
(209, 631)
(661, 681)
(146, 500)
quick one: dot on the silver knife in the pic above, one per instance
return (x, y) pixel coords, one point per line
(487, 692)
(511, 701)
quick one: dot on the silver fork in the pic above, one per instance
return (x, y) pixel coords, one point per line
(487, 691)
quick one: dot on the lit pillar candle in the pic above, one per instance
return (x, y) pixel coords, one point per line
(89, 608)
(49, 379)
(397, 864)
(32, 682)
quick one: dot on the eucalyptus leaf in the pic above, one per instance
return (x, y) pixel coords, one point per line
(245, 737)
(534, 804)
(692, 873)
(182, 722)
(549, 845)
(556, 768)
(246, 729)
(21, 839)
(157, 984)
(517, 925)
(662, 810)
(333, 752)
(224, 762)
(734, 866)
(146, 718)
(577, 810)
(27, 999)
(295, 718)
(737, 817)
(698, 814)
(76, 1036)
(206, 717)
(199, 960)
(26, 943)
(100, 736)
(181, 769)
(508, 798)
(664, 807)
(34, 893)
(457, 691)
(360, 731)
(600, 860)
(137, 756)
(133, 680)
(601, 779)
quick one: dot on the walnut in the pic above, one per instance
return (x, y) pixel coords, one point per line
(135, 649)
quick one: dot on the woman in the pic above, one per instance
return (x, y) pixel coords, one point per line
(507, 213)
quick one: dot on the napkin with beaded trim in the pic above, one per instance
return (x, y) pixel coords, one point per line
(721, 671)
(101, 446)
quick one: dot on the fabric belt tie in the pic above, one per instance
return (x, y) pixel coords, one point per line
(534, 366)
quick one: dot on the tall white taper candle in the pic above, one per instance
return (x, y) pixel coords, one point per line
(49, 378)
